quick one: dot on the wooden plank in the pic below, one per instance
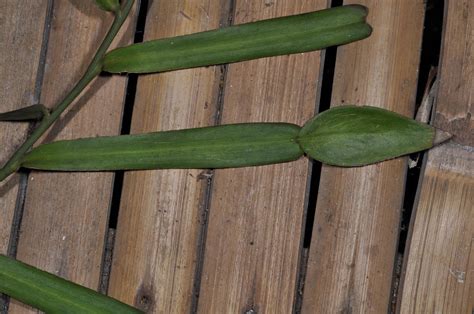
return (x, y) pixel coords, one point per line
(438, 276)
(357, 216)
(65, 216)
(156, 249)
(256, 215)
(20, 47)
(439, 263)
(455, 98)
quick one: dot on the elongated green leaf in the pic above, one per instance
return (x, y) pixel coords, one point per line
(286, 35)
(34, 112)
(342, 136)
(53, 294)
(234, 145)
(108, 5)
(355, 136)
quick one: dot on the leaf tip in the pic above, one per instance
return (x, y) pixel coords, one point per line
(108, 5)
(34, 112)
(441, 136)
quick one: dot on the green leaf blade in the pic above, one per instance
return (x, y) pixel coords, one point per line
(355, 136)
(234, 145)
(280, 36)
(51, 293)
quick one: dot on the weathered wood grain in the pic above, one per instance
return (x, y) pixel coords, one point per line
(438, 276)
(256, 214)
(158, 232)
(455, 98)
(65, 215)
(439, 265)
(21, 38)
(357, 216)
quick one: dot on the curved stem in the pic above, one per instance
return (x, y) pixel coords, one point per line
(92, 71)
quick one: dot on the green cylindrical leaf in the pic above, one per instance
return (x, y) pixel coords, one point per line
(53, 294)
(108, 5)
(279, 36)
(233, 145)
(355, 136)
(34, 112)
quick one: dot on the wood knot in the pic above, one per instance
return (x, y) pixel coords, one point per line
(144, 299)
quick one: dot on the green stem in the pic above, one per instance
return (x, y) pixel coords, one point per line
(92, 71)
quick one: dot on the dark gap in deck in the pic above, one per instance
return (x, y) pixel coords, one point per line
(327, 79)
(127, 114)
(227, 18)
(430, 53)
(129, 102)
(23, 174)
(323, 103)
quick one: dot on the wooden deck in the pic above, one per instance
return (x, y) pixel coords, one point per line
(243, 240)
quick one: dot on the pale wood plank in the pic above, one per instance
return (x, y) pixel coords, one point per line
(254, 233)
(439, 263)
(65, 217)
(355, 231)
(156, 249)
(455, 99)
(21, 37)
(439, 276)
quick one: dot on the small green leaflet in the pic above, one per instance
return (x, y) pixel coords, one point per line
(278, 36)
(354, 136)
(34, 112)
(342, 136)
(53, 294)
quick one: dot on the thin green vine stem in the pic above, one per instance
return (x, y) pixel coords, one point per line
(94, 69)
